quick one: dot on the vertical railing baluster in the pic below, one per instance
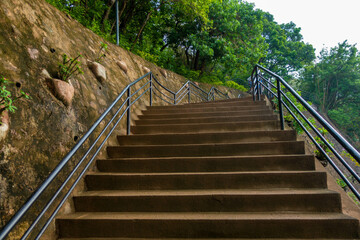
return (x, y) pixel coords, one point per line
(128, 117)
(151, 89)
(280, 104)
(258, 84)
(174, 98)
(117, 22)
(189, 93)
(252, 80)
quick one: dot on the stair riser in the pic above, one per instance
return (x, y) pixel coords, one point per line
(233, 100)
(212, 114)
(205, 120)
(205, 128)
(205, 109)
(277, 148)
(211, 203)
(212, 104)
(206, 181)
(209, 228)
(228, 137)
(302, 163)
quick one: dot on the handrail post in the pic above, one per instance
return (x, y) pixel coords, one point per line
(174, 98)
(128, 117)
(189, 93)
(151, 89)
(258, 84)
(252, 82)
(117, 22)
(280, 105)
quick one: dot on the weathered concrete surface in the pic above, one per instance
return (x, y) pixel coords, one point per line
(33, 37)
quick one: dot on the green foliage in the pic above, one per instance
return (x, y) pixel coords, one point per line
(69, 67)
(351, 158)
(205, 40)
(341, 183)
(102, 52)
(7, 99)
(232, 84)
(333, 84)
(287, 53)
(323, 145)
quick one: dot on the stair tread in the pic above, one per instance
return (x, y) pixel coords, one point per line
(205, 216)
(206, 173)
(205, 144)
(208, 124)
(203, 192)
(212, 157)
(209, 133)
(201, 239)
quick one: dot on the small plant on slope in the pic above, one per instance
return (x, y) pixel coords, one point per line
(69, 67)
(102, 52)
(6, 98)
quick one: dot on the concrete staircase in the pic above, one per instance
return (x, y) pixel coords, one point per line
(216, 170)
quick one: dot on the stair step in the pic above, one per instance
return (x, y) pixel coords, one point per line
(199, 150)
(215, 180)
(121, 238)
(210, 114)
(210, 104)
(206, 119)
(209, 164)
(230, 100)
(202, 138)
(213, 225)
(217, 170)
(206, 127)
(205, 109)
(318, 200)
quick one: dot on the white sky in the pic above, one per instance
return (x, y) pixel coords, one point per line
(324, 23)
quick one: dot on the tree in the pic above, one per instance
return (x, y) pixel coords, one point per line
(335, 78)
(287, 53)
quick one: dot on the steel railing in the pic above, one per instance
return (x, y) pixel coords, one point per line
(265, 82)
(116, 111)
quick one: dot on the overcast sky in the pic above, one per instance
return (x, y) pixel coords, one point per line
(322, 22)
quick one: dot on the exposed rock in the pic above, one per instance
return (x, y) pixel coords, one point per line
(34, 53)
(4, 126)
(44, 73)
(62, 90)
(98, 70)
(145, 69)
(122, 66)
(163, 72)
(42, 129)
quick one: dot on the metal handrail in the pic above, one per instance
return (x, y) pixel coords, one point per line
(148, 86)
(261, 84)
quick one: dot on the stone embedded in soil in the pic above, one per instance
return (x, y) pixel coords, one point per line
(163, 72)
(4, 126)
(63, 91)
(98, 70)
(145, 69)
(122, 66)
(34, 53)
(45, 73)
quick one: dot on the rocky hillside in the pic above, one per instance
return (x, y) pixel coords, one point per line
(33, 37)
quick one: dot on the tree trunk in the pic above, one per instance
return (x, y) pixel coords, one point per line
(141, 29)
(120, 13)
(187, 56)
(196, 61)
(107, 13)
(163, 47)
(129, 14)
